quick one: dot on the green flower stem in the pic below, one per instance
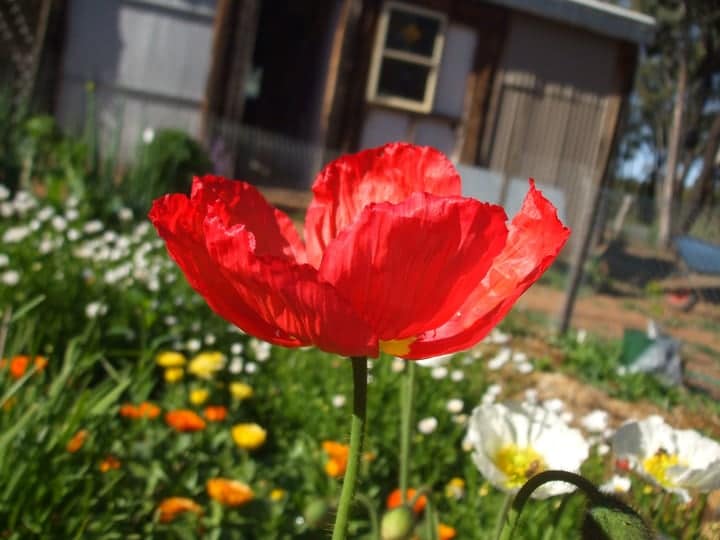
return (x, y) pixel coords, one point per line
(372, 514)
(559, 515)
(357, 428)
(430, 519)
(502, 516)
(407, 394)
(506, 527)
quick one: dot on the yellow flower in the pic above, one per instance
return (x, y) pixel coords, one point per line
(198, 396)
(170, 359)
(248, 436)
(484, 490)
(173, 375)
(455, 488)
(206, 364)
(240, 390)
(277, 495)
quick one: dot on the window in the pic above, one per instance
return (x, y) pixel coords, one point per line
(407, 53)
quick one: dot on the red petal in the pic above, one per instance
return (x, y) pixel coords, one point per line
(274, 232)
(536, 237)
(179, 223)
(406, 268)
(287, 293)
(389, 173)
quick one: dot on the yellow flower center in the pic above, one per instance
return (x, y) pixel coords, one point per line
(658, 464)
(518, 464)
(397, 347)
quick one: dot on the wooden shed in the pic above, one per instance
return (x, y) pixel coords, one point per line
(507, 88)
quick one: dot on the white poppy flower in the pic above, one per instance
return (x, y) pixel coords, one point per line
(513, 442)
(524, 368)
(10, 277)
(497, 337)
(95, 309)
(455, 405)
(488, 398)
(439, 372)
(581, 336)
(677, 460)
(398, 365)
(494, 389)
(427, 425)
(261, 349)
(616, 485)
(236, 365)
(554, 405)
(435, 361)
(595, 421)
(500, 359)
(338, 400)
(14, 235)
(58, 223)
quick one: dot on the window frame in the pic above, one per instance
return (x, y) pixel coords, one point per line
(380, 52)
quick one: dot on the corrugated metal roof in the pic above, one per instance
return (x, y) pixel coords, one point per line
(595, 15)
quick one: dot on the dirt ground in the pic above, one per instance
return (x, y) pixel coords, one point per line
(609, 315)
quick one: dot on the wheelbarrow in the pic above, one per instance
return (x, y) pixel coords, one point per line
(698, 267)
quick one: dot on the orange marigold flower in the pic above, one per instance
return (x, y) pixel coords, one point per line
(109, 463)
(338, 454)
(77, 441)
(19, 365)
(215, 413)
(229, 492)
(148, 410)
(128, 410)
(395, 499)
(446, 532)
(184, 420)
(172, 506)
(144, 410)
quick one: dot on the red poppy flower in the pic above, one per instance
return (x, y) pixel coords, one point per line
(395, 259)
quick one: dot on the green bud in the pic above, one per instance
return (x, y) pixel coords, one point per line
(611, 519)
(397, 524)
(317, 514)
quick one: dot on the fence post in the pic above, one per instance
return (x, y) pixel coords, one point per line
(577, 264)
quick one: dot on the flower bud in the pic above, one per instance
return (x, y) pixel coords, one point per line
(317, 514)
(397, 524)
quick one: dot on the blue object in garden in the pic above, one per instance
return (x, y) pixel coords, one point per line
(699, 256)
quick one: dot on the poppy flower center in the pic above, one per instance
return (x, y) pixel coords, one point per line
(658, 464)
(518, 464)
(396, 347)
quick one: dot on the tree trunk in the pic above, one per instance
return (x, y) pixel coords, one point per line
(703, 188)
(667, 195)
